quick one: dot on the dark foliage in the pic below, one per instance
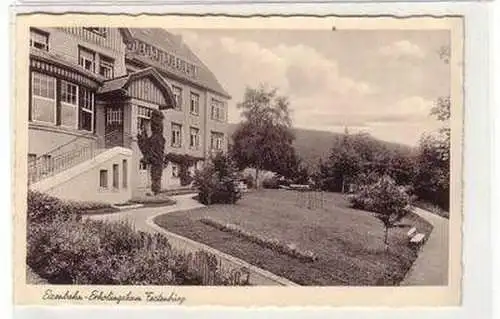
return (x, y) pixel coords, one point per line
(152, 148)
(217, 181)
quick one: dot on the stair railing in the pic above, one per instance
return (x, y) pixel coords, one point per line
(51, 164)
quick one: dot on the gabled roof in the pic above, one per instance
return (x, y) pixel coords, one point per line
(173, 44)
(122, 83)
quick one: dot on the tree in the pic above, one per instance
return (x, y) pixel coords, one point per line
(386, 199)
(342, 166)
(432, 181)
(152, 149)
(263, 140)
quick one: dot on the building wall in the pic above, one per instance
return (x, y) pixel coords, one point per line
(82, 182)
(65, 42)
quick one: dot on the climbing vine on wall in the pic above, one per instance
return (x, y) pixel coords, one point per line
(184, 161)
(153, 148)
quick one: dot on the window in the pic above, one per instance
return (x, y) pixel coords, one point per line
(39, 40)
(176, 135)
(194, 138)
(103, 178)
(43, 100)
(86, 115)
(31, 157)
(216, 141)
(99, 31)
(217, 110)
(142, 165)
(175, 170)
(143, 119)
(106, 66)
(195, 104)
(124, 173)
(114, 116)
(86, 59)
(177, 91)
(69, 104)
(116, 176)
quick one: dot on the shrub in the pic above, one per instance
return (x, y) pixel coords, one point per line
(249, 180)
(43, 207)
(104, 253)
(382, 197)
(216, 182)
(67, 250)
(271, 182)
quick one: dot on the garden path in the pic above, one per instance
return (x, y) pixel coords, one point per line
(142, 219)
(139, 216)
(431, 266)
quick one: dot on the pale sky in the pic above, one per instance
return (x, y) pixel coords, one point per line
(383, 82)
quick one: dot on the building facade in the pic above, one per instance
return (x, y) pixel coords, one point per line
(92, 90)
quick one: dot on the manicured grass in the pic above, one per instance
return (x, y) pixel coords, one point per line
(348, 242)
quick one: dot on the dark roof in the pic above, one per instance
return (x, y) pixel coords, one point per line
(173, 44)
(113, 84)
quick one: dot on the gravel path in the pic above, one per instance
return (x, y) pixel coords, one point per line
(431, 266)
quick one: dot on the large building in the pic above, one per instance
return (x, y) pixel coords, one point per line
(92, 91)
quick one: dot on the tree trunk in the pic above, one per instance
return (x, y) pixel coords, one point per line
(257, 178)
(385, 238)
(343, 184)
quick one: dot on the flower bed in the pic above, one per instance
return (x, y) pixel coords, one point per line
(64, 249)
(272, 243)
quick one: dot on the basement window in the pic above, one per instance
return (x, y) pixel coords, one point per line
(103, 178)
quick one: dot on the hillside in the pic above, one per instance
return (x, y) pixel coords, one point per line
(312, 145)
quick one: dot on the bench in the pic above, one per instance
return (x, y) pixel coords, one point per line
(299, 187)
(417, 240)
(412, 232)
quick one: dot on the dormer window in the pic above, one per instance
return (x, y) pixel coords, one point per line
(99, 31)
(86, 59)
(106, 66)
(39, 40)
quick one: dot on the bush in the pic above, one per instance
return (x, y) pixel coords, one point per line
(248, 180)
(382, 197)
(271, 182)
(44, 208)
(217, 182)
(67, 250)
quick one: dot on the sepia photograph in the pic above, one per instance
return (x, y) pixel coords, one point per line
(226, 156)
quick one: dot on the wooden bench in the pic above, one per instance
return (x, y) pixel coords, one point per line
(300, 187)
(417, 240)
(412, 232)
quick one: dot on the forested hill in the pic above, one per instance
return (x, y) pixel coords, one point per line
(311, 145)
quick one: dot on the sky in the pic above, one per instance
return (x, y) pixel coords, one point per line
(383, 82)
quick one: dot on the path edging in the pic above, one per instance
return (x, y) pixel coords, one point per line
(230, 259)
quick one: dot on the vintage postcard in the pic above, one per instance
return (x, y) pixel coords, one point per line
(238, 161)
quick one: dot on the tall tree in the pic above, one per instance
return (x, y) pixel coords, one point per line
(153, 148)
(432, 181)
(263, 140)
(342, 166)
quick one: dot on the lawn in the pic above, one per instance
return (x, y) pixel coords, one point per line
(348, 242)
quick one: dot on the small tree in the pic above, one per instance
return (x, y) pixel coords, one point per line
(386, 199)
(152, 149)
